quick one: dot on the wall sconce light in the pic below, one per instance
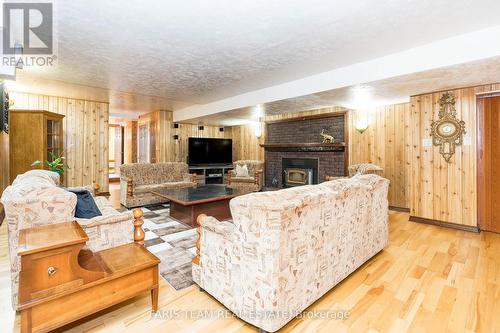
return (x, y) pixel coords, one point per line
(361, 124)
(201, 127)
(258, 129)
(221, 129)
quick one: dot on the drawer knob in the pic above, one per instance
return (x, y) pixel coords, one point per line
(51, 271)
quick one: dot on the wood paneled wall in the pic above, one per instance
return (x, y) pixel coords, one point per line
(385, 143)
(85, 134)
(185, 131)
(162, 133)
(439, 190)
(246, 146)
(4, 161)
(130, 142)
(4, 168)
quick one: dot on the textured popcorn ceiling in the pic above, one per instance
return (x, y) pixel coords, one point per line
(200, 51)
(393, 90)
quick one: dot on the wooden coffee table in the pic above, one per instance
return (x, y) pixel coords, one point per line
(187, 203)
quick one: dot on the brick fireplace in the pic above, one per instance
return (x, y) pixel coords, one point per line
(295, 154)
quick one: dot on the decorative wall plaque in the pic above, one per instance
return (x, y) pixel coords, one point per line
(447, 132)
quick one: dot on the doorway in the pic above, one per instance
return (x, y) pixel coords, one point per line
(488, 162)
(116, 151)
(143, 143)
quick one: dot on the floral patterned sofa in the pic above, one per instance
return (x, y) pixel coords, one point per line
(137, 180)
(34, 199)
(285, 249)
(252, 183)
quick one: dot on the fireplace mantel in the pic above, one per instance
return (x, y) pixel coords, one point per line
(306, 147)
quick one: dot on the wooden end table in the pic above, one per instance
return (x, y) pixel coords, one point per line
(60, 283)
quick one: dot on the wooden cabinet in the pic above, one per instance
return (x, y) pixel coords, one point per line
(33, 134)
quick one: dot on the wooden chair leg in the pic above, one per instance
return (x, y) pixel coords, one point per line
(139, 234)
(26, 321)
(154, 299)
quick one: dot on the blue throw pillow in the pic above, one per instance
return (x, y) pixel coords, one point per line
(86, 207)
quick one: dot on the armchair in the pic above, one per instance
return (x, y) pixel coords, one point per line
(364, 169)
(255, 180)
(35, 199)
(360, 169)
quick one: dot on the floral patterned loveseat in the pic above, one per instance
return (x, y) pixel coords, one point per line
(35, 199)
(137, 180)
(285, 249)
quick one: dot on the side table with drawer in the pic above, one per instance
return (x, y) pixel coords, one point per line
(60, 283)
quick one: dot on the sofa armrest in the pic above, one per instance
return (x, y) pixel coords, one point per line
(97, 190)
(54, 205)
(190, 177)
(104, 219)
(128, 182)
(223, 229)
(258, 177)
(230, 175)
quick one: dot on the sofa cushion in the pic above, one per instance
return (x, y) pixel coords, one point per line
(86, 207)
(243, 179)
(172, 185)
(242, 171)
(109, 214)
(252, 165)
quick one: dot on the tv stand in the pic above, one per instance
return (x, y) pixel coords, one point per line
(211, 173)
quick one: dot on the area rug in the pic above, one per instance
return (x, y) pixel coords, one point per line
(172, 242)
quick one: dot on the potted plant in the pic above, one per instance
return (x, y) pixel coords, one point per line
(57, 163)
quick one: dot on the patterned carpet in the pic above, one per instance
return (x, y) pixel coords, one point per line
(172, 242)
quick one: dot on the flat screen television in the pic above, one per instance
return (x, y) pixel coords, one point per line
(204, 151)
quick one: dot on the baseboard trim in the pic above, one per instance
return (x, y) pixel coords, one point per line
(438, 223)
(399, 209)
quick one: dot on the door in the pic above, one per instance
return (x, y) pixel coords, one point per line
(489, 163)
(143, 144)
(115, 148)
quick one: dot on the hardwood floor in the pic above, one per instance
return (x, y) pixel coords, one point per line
(429, 279)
